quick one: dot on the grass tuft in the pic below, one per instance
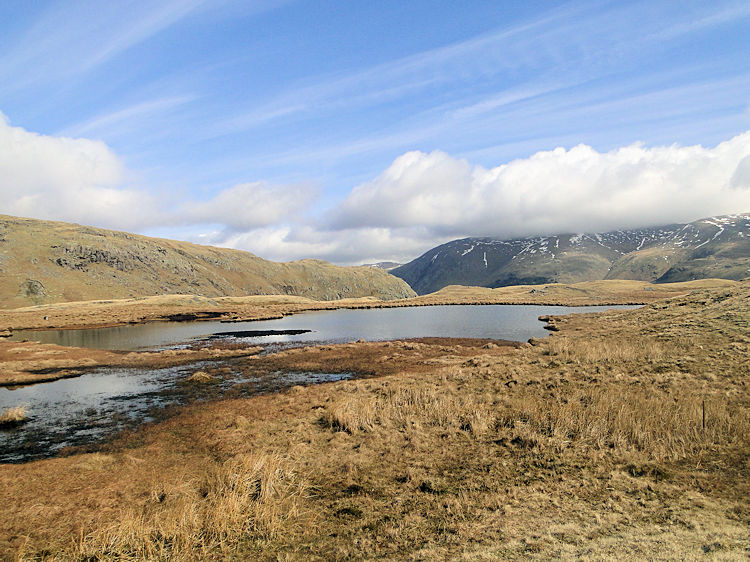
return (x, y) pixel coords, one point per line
(351, 415)
(201, 377)
(14, 416)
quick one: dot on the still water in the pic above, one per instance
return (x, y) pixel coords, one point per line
(508, 322)
(85, 410)
(89, 408)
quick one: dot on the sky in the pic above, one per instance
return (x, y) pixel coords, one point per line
(358, 132)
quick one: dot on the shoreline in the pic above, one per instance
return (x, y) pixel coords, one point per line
(113, 313)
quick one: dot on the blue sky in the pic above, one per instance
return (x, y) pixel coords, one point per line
(361, 131)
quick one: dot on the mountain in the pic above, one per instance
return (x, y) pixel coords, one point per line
(713, 247)
(45, 262)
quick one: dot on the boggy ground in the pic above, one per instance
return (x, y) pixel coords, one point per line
(589, 444)
(28, 362)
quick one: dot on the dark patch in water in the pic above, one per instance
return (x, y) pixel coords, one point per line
(190, 316)
(256, 333)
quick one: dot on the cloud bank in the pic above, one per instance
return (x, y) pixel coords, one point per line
(420, 200)
(554, 191)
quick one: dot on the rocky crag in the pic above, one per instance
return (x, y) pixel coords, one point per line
(714, 247)
(44, 262)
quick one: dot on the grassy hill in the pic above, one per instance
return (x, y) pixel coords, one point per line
(44, 262)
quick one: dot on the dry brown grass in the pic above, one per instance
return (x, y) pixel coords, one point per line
(591, 351)
(201, 377)
(13, 416)
(249, 498)
(658, 426)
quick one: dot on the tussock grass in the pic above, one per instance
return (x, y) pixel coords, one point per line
(586, 351)
(661, 426)
(13, 416)
(351, 415)
(201, 377)
(248, 498)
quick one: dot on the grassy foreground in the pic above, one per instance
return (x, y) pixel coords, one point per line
(623, 435)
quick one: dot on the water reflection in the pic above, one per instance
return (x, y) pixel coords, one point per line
(510, 322)
(73, 411)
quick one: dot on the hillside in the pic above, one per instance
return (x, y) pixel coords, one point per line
(716, 247)
(45, 262)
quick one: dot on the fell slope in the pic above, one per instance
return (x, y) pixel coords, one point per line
(717, 247)
(45, 262)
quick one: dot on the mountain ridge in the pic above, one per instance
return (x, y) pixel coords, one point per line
(712, 247)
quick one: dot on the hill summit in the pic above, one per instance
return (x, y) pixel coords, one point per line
(712, 247)
(44, 262)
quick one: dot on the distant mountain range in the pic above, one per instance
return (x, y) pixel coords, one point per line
(45, 262)
(712, 247)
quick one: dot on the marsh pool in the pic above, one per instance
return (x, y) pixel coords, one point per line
(88, 409)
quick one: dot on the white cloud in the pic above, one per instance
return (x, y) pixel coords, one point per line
(82, 180)
(423, 200)
(419, 201)
(248, 206)
(67, 179)
(353, 246)
(554, 191)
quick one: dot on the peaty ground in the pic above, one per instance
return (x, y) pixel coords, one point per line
(589, 444)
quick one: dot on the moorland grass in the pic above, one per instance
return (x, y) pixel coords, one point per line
(590, 444)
